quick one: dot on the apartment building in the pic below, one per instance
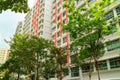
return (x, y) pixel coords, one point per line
(4, 55)
(38, 20)
(43, 20)
(109, 64)
(40, 16)
(60, 38)
(27, 23)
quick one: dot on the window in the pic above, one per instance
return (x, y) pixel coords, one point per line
(64, 21)
(64, 39)
(41, 27)
(43, 4)
(64, 13)
(118, 10)
(113, 45)
(42, 10)
(115, 63)
(109, 15)
(41, 33)
(58, 26)
(87, 68)
(42, 15)
(102, 65)
(41, 21)
(59, 42)
(53, 37)
(112, 28)
(58, 18)
(42, 1)
(53, 29)
(59, 10)
(74, 72)
(58, 34)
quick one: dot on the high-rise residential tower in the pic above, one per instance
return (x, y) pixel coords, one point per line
(38, 20)
(109, 64)
(43, 21)
(4, 55)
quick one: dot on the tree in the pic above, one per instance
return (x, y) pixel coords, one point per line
(20, 47)
(44, 61)
(87, 31)
(49, 60)
(60, 61)
(48, 67)
(14, 5)
(13, 66)
(21, 60)
(30, 55)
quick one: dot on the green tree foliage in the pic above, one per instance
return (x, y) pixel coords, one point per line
(87, 28)
(14, 5)
(48, 67)
(41, 48)
(21, 60)
(30, 56)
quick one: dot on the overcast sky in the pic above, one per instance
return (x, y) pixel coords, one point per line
(8, 24)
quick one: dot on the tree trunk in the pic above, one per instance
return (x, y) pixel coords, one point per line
(37, 74)
(89, 76)
(37, 68)
(90, 71)
(60, 71)
(96, 65)
(46, 78)
(18, 75)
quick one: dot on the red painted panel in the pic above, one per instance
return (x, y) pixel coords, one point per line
(61, 1)
(55, 39)
(35, 16)
(68, 51)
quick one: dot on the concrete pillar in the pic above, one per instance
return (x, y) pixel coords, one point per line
(80, 73)
(69, 72)
(94, 68)
(108, 64)
(105, 48)
(115, 15)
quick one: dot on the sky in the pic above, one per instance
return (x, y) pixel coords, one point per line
(8, 24)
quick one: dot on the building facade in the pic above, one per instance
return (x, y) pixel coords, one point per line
(38, 20)
(43, 21)
(109, 64)
(19, 29)
(4, 55)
